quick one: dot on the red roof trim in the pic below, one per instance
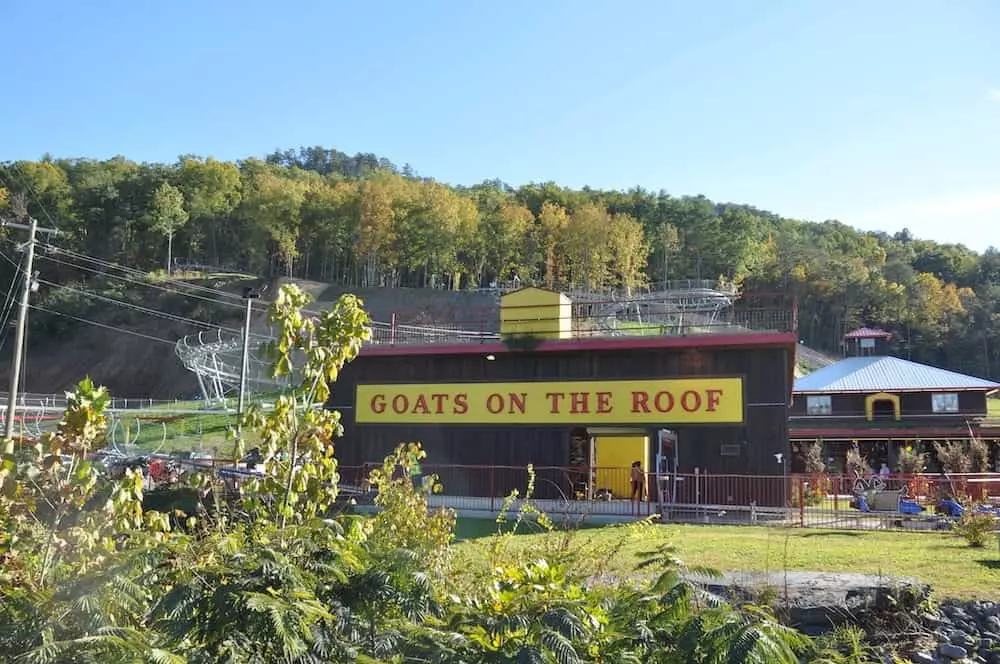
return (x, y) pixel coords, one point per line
(604, 343)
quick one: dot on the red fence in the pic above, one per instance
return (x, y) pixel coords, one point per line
(800, 500)
(830, 501)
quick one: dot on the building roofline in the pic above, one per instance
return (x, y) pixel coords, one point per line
(740, 340)
(908, 390)
(882, 434)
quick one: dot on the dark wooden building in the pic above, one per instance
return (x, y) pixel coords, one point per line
(880, 402)
(724, 397)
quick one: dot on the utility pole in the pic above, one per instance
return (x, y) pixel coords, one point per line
(249, 294)
(30, 285)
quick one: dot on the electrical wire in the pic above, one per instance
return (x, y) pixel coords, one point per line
(9, 307)
(135, 307)
(137, 273)
(142, 278)
(139, 282)
(128, 305)
(103, 325)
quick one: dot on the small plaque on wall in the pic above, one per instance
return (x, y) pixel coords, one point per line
(729, 450)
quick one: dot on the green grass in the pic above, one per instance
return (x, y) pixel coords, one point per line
(947, 563)
(175, 433)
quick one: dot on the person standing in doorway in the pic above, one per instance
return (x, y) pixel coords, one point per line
(638, 481)
(416, 475)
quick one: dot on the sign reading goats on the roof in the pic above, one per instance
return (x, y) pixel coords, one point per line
(653, 402)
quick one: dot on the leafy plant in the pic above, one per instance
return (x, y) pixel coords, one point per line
(911, 461)
(953, 456)
(975, 528)
(405, 520)
(857, 463)
(811, 455)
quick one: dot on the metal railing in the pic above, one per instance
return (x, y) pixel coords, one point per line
(922, 502)
(215, 356)
(898, 502)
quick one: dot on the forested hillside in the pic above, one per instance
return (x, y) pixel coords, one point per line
(361, 221)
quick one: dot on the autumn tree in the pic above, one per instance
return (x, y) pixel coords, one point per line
(212, 191)
(552, 224)
(588, 250)
(629, 251)
(168, 215)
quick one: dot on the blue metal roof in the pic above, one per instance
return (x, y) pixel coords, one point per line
(886, 374)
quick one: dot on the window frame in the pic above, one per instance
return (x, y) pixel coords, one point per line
(935, 401)
(813, 409)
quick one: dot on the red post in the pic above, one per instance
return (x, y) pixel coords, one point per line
(802, 503)
(493, 492)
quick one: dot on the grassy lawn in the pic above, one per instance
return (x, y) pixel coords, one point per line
(168, 433)
(951, 567)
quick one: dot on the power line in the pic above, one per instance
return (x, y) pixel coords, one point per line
(135, 307)
(22, 319)
(140, 282)
(137, 273)
(104, 325)
(128, 305)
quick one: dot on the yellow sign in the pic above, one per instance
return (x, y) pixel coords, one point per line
(653, 402)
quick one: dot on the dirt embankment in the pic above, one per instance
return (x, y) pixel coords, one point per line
(137, 366)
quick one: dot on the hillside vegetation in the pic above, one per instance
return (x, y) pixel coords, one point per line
(361, 222)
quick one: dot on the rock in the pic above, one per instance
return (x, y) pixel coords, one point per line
(952, 651)
(931, 621)
(816, 602)
(992, 624)
(923, 658)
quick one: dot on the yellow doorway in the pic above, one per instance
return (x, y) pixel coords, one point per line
(613, 456)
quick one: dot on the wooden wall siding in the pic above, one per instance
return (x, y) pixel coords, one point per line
(970, 404)
(763, 434)
(764, 370)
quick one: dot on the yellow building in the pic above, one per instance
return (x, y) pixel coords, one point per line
(536, 312)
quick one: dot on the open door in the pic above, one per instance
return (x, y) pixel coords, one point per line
(666, 467)
(613, 458)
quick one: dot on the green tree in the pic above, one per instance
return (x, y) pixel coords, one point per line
(168, 215)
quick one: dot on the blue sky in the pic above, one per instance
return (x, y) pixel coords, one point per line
(881, 114)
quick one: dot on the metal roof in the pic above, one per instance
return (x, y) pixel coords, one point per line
(886, 374)
(867, 333)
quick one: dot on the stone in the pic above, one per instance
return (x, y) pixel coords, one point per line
(931, 620)
(923, 658)
(992, 624)
(952, 651)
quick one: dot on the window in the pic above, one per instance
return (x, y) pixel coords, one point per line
(729, 450)
(945, 402)
(819, 405)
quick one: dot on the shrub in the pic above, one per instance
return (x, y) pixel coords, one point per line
(911, 461)
(811, 454)
(857, 463)
(975, 528)
(979, 456)
(954, 457)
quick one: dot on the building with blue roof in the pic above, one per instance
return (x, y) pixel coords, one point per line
(880, 402)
